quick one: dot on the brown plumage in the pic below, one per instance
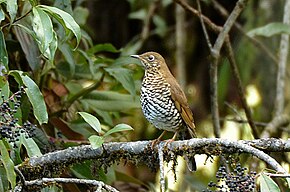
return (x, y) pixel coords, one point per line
(163, 102)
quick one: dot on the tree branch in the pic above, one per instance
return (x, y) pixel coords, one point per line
(140, 152)
(236, 75)
(41, 183)
(283, 53)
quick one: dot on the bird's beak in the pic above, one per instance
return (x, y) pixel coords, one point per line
(135, 56)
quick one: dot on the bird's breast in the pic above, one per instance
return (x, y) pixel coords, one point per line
(157, 105)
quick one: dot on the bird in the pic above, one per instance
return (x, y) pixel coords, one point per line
(163, 102)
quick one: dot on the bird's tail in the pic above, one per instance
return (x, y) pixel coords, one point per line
(185, 134)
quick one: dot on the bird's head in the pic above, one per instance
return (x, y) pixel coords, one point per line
(151, 60)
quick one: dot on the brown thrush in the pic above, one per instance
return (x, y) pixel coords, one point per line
(163, 102)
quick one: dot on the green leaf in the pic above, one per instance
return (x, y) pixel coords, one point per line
(110, 101)
(288, 182)
(43, 29)
(3, 52)
(30, 146)
(2, 15)
(68, 54)
(267, 184)
(34, 95)
(12, 9)
(50, 52)
(33, 2)
(119, 128)
(270, 30)
(65, 19)
(161, 27)
(96, 141)
(91, 120)
(124, 76)
(27, 40)
(107, 47)
(8, 164)
(5, 91)
(81, 15)
(3, 179)
(104, 114)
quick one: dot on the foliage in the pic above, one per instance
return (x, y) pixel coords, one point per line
(61, 87)
(59, 73)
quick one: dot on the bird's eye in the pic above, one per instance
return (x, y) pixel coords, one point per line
(151, 58)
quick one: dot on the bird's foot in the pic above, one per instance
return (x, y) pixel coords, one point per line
(155, 142)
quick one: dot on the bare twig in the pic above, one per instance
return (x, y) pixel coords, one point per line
(215, 53)
(277, 175)
(203, 26)
(180, 45)
(255, 42)
(238, 120)
(146, 27)
(283, 53)
(196, 13)
(227, 27)
(161, 166)
(84, 91)
(49, 181)
(236, 75)
(277, 122)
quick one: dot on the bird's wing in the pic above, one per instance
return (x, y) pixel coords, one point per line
(181, 104)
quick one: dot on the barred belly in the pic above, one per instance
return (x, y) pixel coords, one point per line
(157, 105)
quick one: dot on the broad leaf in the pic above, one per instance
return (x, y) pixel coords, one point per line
(2, 15)
(43, 29)
(96, 141)
(27, 40)
(119, 128)
(124, 76)
(270, 30)
(8, 164)
(68, 54)
(288, 182)
(107, 47)
(3, 180)
(5, 91)
(3, 52)
(91, 120)
(110, 101)
(267, 184)
(34, 95)
(65, 19)
(33, 2)
(12, 9)
(30, 146)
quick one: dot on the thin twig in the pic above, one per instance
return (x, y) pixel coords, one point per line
(227, 27)
(17, 19)
(275, 124)
(283, 53)
(203, 26)
(261, 124)
(49, 181)
(213, 80)
(241, 92)
(255, 42)
(85, 91)
(180, 45)
(277, 175)
(161, 166)
(196, 13)
(146, 27)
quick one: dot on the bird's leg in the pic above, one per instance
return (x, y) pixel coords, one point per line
(172, 139)
(156, 141)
